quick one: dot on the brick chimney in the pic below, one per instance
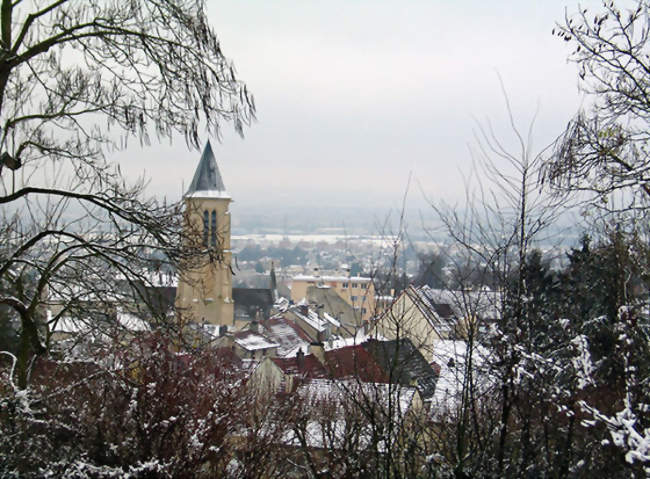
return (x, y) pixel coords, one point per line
(300, 358)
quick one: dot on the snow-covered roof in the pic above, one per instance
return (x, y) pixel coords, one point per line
(315, 321)
(336, 279)
(65, 324)
(450, 356)
(281, 304)
(132, 322)
(252, 341)
(484, 303)
(331, 427)
(287, 335)
(332, 320)
(359, 337)
(127, 320)
(351, 389)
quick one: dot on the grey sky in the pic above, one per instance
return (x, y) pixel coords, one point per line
(351, 95)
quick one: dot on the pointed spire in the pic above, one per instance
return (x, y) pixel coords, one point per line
(207, 181)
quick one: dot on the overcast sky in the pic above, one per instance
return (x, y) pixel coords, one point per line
(352, 95)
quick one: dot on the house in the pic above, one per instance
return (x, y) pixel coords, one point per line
(253, 345)
(397, 362)
(317, 324)
(287, 334)
(251, 304)
(475, 310)
(417, 315)
(249, 343)
(346, 413)
(404, 364)
(285, 374)
(326, 297)
(451, 360)
(343, 401)
(278, 336)
(357, 291)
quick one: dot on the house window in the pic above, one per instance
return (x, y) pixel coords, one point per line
(345, 285)
(213, 232)
(353, 298)
(206, 228)
(363, 310)
(364, 286)
(355, 285)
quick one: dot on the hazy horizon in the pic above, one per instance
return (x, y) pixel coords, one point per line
(352, 98)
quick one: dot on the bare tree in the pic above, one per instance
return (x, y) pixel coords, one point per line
(605, 150)
(491, 237)
(78, 79)
(142, 410)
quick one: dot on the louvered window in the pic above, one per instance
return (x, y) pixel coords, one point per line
(213, 232)
(206, 227)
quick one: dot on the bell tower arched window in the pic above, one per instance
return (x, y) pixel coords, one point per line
(206, 228)
(213, 232)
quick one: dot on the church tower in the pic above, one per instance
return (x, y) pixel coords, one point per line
(204, 292)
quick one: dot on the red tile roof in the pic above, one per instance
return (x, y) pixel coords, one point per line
(350, 361)
(354, 361)
(309, 367)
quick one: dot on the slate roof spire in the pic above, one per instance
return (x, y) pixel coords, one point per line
(207, 181)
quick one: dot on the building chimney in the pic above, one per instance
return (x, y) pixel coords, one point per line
(223, 329)
(318, 350)
(254, 326)
(300, 358)
(274, 283)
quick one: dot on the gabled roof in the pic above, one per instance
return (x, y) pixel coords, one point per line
(252, 341)
(484, 303)
(248, 301)
(425, 305)
(404, 364)
(334, 303)
(207, 181)
(342, 363)
(287, 334)
(451, 359)
(257, 297)
(354, 361)
(309, 366)
(320, 323)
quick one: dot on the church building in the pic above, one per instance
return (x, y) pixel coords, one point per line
(204, 293)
